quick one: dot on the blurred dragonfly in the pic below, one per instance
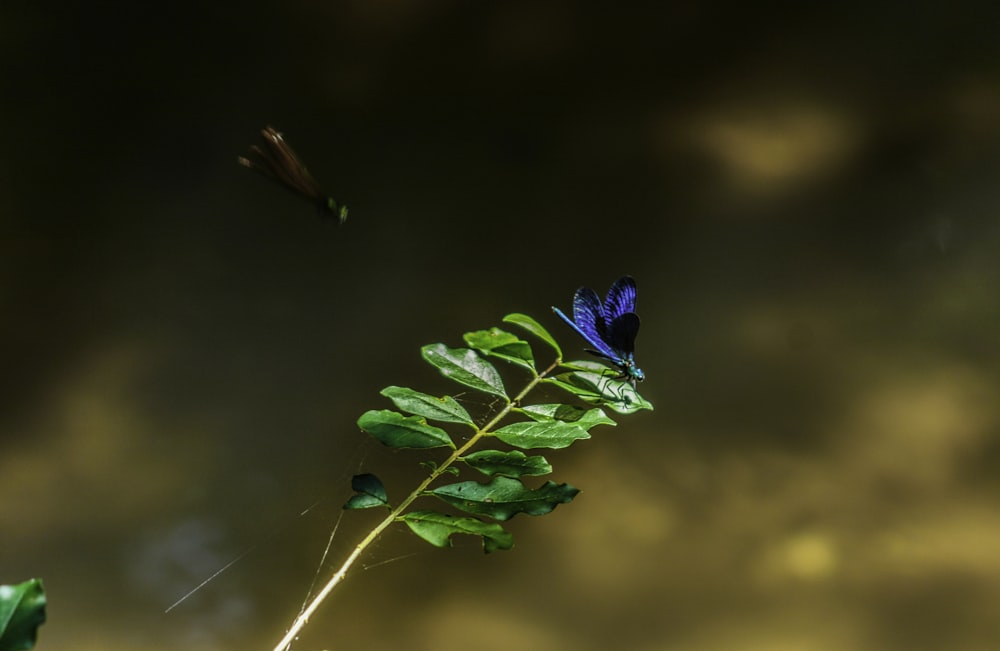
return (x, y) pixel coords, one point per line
(279, 162)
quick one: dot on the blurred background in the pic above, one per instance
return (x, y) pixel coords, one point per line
(807, 197)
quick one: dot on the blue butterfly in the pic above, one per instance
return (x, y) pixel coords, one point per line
(610, 327)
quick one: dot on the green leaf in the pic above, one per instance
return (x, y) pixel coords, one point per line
(601, 388)
(503, 498)
(444, 409)
(437, 529)
(551, 434)
(465, 367)
(22, 611)
(534, 327)
(398, 431)
(370, 492)
(502, 344)
(509, 464)
(585, 418)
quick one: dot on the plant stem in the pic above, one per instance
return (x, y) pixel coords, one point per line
(320, 597)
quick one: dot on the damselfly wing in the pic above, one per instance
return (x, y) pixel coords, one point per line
(279, 162)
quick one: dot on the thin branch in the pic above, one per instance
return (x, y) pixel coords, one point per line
(304, 616)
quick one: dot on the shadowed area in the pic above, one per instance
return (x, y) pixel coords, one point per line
(808, 202)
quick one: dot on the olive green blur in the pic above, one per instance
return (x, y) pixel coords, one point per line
(808, 198)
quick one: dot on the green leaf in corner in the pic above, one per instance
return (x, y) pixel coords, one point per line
(437, 529)
(444, 409)
(369, 492)
(525, 322)
(398, 431)
(465, 367)
(503, 498)
(22, 611)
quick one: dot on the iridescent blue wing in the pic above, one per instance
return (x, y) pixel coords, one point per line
(588, 312)
(589, 321)
(620, 300)
(621, 335)
(610, 327)
(599, 344)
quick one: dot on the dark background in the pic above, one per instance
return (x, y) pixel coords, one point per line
(807, 197)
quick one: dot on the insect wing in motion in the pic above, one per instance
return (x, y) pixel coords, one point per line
(278, 161)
